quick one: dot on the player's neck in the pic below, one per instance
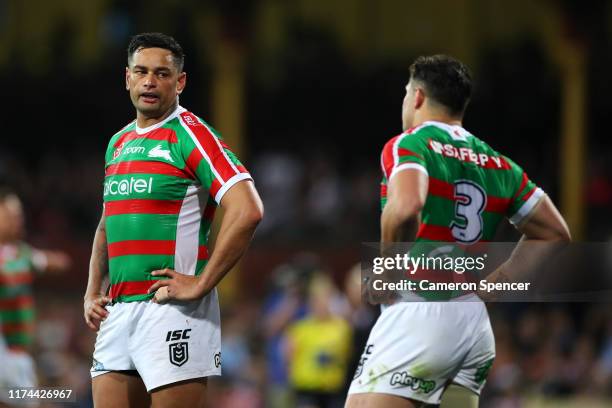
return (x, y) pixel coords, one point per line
(433, 115)
(143, 121)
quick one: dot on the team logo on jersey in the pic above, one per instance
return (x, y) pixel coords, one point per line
(121, 150)
(157, 151)
(403, 379)
(217, 359)
(179, 353)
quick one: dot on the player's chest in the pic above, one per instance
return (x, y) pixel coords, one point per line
(145, 169)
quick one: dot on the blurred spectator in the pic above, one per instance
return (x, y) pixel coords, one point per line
(19, 263)
(360, 315)
(318, 349)
(285, 304)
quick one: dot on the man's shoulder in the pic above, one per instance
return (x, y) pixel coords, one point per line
(416, 133)
(188, 123)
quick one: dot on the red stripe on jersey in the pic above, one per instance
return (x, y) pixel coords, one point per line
(130, 288)
(141, 247)
(405, 152)
(161, 134)
(208, 141)
(16, 278)
(16, 302)
(492, 165)
(193, 161)
(202, 252)
(529, 194)
(16, 328)
(435, 233)
(142, 206)
(387, 160)
(383, 190)
(446, 190)
(524, 181)
(497, 204)
(214, 187)
(147, 167)
(441, 188)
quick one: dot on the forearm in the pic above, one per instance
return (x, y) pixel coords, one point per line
(525, 257)
(235, 234)
(397, 226)
(98, 263)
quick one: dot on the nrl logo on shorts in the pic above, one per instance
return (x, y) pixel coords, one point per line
(179, 353)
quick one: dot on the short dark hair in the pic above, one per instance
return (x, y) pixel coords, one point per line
(157, 40)
(446, 80)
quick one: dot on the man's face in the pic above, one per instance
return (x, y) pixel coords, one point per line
(153, 81)
(11, 219)
(408, 106)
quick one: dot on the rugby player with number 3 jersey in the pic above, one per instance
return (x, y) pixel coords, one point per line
(166, 173)
(443, 184)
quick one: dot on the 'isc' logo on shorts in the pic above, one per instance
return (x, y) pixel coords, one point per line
(178, 352)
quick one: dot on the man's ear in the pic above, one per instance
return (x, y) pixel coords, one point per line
(181, 83)
(419, 98)
(127, 78)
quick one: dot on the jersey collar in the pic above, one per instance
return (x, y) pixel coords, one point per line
(179, 109)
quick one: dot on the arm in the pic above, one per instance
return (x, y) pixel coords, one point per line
(544, 231)
(51, 261)
(406, 197)
(95, 300)
(243, 211)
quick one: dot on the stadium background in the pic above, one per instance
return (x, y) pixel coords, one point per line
(307, 92)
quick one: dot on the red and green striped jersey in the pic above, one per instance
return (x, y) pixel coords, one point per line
(162, 186)
(472, 188)
(17, 269)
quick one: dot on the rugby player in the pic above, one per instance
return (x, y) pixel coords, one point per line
(443, 184)
(166, 172)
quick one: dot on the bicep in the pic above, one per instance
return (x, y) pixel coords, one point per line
(408, 188)
(242, 195)
(544, 222)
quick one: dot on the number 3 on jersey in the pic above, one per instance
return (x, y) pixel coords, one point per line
(470, 202)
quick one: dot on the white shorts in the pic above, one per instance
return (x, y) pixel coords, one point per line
(164, 343)
(416, 349)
